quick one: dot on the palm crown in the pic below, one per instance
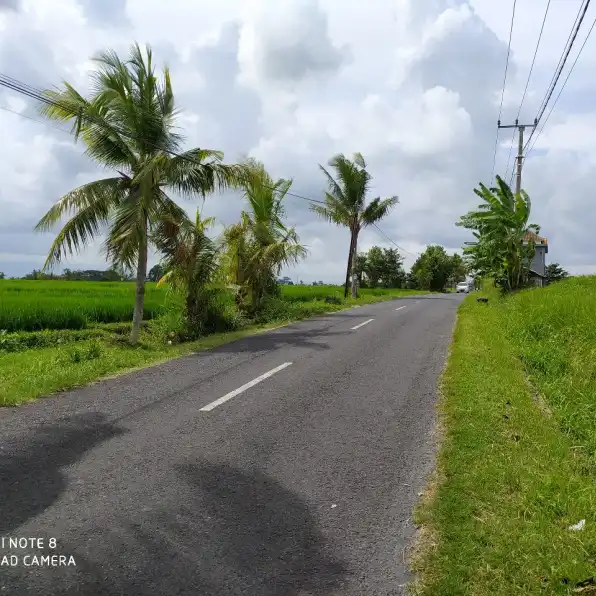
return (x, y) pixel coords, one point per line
(345, 201)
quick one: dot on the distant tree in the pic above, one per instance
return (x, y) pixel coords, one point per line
(433, 268)
(554, 272)
(374, 266)
(411, 281)
(37, 274)
(459, 270)
(2, 276)
(393, 274)
(156, 273)
(359, 267)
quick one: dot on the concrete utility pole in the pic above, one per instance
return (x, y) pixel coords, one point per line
(520, 147)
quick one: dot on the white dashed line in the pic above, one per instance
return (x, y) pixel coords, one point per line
(228, 396)
(362, 324)
(400, 308)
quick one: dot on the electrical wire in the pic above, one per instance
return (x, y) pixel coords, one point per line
(559, 70)
(503, 89)
(562, 87)
(37, 95)
(527, 85)
(31, 92)
(392, 242)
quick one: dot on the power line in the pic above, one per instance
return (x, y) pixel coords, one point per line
(35, 120)
(533, 59)
(29, 91)
(526, 87)
(562, 61)
(392, 242)
(503, 89)
(562, 87)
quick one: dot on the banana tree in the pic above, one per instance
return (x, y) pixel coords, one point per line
(500, 224)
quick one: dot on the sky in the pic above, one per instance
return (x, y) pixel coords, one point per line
(415, 86)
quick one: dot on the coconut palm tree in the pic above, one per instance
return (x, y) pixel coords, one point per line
(500, 225)
(345, 205)
(127, 124)
(190, 260)
(260, 244)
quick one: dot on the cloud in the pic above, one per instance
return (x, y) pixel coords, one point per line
(415, 86)
(288, 42)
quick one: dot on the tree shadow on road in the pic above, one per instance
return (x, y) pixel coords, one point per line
(31, 478)
(224, 532)
(265, 342)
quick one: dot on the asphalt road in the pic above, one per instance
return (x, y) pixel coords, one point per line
(193, 478)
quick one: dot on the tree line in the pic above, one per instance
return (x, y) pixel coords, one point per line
(128, 125)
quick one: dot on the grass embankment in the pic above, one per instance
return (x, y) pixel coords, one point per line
(517, 465)
(34, 364)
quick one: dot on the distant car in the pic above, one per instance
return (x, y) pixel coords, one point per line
(463, 286)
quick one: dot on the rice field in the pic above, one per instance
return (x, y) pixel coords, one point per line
(36, 305)
(33, 305)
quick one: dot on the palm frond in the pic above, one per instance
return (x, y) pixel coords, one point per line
(377, 209)
(91, 206)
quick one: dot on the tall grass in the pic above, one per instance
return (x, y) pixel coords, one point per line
(518, 460)
(554, 331)
(33, 305)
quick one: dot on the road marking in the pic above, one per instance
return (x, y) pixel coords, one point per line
(400, 308)
(362, 324)
(228, 396)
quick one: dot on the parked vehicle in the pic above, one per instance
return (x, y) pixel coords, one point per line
(463, 286)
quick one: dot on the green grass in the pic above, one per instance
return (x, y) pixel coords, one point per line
(517, 462)
(33, 364)
(31, 305)
(307, 293)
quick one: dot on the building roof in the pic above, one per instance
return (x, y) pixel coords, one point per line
(533, 237)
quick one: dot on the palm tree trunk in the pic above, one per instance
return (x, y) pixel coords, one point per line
(140, 293)
(355, 267)
(349, 268)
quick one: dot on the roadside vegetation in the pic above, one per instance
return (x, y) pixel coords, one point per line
(511, 507)
(59, 330)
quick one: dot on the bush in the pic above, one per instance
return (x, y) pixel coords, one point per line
(86, 353)
(219, 313)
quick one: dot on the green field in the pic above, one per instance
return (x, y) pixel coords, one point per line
(518, 459)
(31, 305)
(28, 305)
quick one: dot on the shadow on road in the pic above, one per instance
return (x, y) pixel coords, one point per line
(30, 475)
(271, 341)
(220, 531)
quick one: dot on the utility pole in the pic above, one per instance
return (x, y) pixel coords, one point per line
(520, 147)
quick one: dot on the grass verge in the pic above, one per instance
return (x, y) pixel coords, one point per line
(64, 360)
(511, 478)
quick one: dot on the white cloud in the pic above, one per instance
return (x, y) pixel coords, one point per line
(415, 86)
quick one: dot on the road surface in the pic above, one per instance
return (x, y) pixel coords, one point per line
(284, 464)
